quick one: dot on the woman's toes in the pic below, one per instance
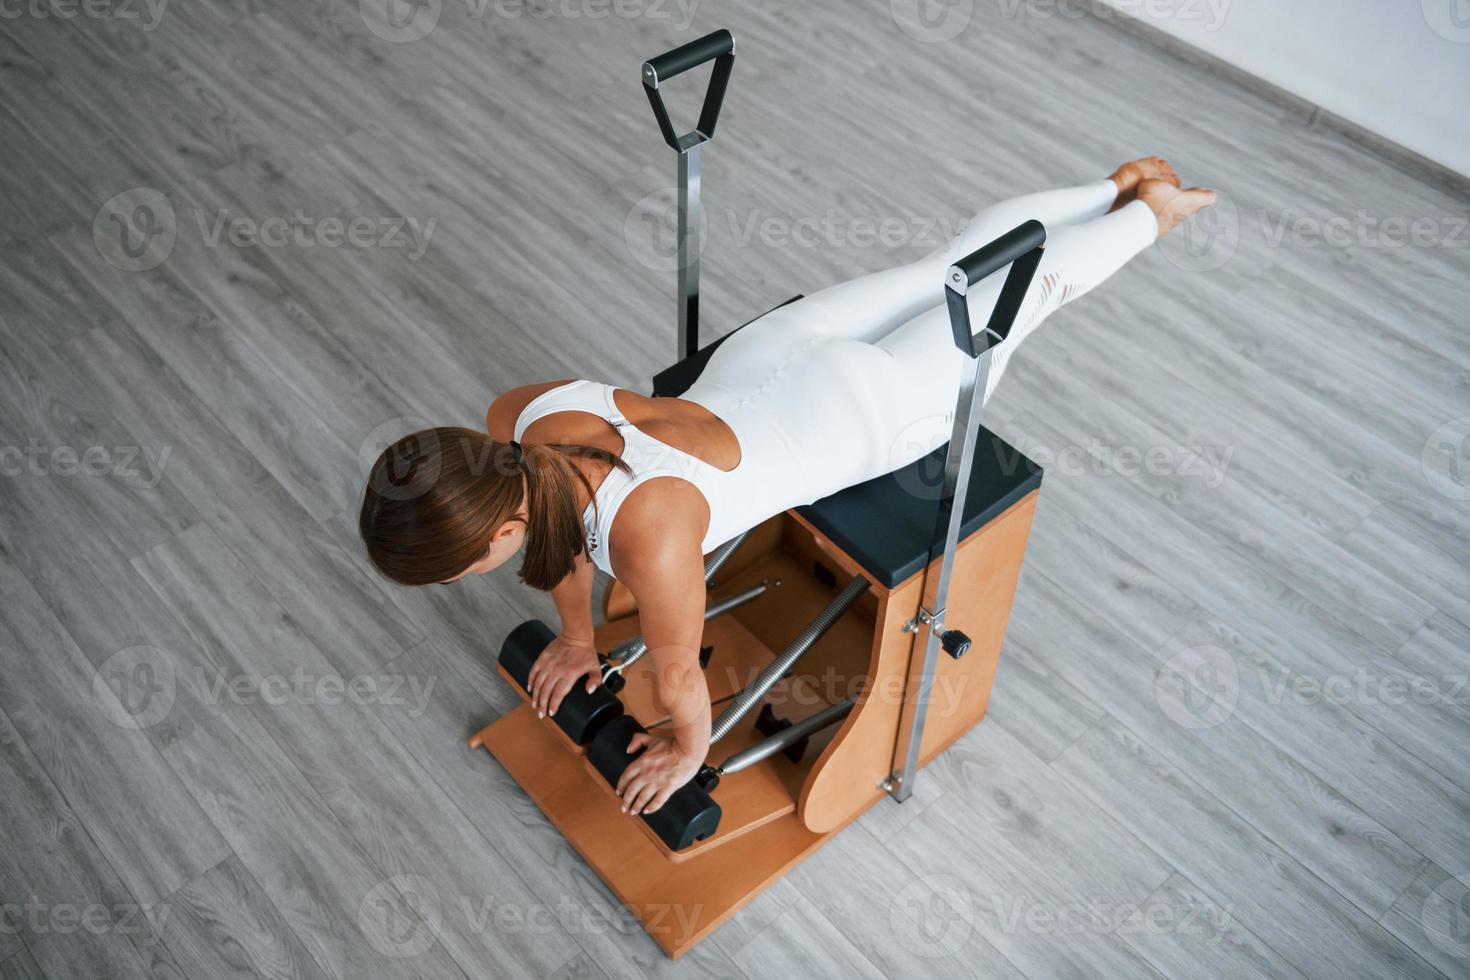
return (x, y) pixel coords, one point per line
(1157, 168)
(1170, 205)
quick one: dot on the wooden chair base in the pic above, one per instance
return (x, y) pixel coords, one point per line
(778, 811)
(678, 902)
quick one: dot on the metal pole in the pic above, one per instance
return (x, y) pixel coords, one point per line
(766, 748)
(777, 668)
(689, 247)
(1020, 251)
(720, 555)
(629, 653)
(957, 464)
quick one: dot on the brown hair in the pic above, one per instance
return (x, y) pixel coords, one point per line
(434, 498)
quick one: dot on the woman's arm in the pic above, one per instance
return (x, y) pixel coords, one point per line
(573, 654)
(661, 563)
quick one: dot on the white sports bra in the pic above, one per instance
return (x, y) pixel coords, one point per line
(647, 458)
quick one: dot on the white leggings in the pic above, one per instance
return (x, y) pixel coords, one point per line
(861, 378)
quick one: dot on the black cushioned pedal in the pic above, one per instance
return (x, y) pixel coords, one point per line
(581, 715)
(688, 815)
(886, 525)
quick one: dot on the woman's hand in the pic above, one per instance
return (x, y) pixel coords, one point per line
(563, 663)
(653, 776)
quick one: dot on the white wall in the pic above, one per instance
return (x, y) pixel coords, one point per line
(1400, 68)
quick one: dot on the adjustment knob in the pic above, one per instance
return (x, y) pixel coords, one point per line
(955, 643)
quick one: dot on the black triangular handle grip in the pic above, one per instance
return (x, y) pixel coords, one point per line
(1021, 249)
(718, 46)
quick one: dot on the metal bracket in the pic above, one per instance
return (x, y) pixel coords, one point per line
(925, 618)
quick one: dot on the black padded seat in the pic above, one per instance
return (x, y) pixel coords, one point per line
(886, 525)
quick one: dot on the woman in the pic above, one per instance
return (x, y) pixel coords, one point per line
(834, 389)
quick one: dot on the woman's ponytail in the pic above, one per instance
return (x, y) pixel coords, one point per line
(555, 535)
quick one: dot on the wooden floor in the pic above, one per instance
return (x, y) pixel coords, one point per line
(1229, 735)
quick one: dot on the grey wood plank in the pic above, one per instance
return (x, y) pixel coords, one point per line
(1037, 705)
(1186, 933)
(1443, 645)
(132, 805)
(965, 894)
(81, 920)
(10, 941)
(220, 367)
(20, 966)
(582, 967)
(896, 919)
(1430, 919)
(68, 444)
(221, 924)
(803, 943)
(1342, 729)
(1430, 565)
(1364, 596)
(1085, 366)
(1250, 409)
(1096, 570)
(383, 798)
(264, 526)
(325, 887)
(1308, 923)
(1298, 735)
(756, 917)
(468, 695)
(993, 782)
(1281, 796)
(58, 303)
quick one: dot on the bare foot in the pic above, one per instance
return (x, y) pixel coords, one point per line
(1134, 172)
(1170, 204)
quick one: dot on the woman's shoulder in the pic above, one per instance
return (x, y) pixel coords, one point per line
(500, 419)
(658, 526)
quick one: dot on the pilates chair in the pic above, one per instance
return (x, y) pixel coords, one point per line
(871, 621)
